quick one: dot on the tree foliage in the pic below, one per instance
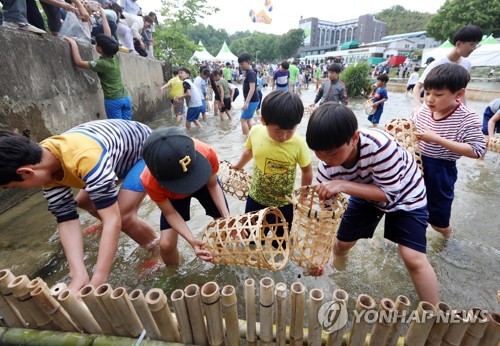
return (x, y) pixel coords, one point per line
(356, 79)
(455, 14)
(400, 20)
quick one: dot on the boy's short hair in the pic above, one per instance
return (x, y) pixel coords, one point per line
(335, 68)
(205, 72)
(331, 125)
(285, 65)
(447, 76)
(469, 33)
(107, 43)
(244, 57)
(383, 77)
(416, 69)
(175, 71)
(282, 108)
(228, 64)
(16, 151)
(185, 69)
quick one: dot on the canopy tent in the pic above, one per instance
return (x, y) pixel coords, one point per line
(350, 45)
(446, 44)
(225, 54)
(488, 54)
(489, 40)
(201, 55)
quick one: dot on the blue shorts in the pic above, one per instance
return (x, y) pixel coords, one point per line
(183, 206)
(440, 177)
(193, 113)
(247, 114)
(281, 87)
(203, 106)
(286, 210)
(119, 108)
(403, 227)
(375, 117)
(488, 114)
(132, 180)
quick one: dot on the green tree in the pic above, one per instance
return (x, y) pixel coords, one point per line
(455, 14)
(400, 20)
(356, 79)
(289, 43)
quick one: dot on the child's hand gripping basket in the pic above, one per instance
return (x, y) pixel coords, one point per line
(369, 109)
(404, 131)
(314, 227)
(234, 182)
(494, 144)
(256, 239)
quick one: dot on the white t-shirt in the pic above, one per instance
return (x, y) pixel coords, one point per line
(413, 78)
(463, 62)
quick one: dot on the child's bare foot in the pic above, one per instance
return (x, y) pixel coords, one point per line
(446, 232)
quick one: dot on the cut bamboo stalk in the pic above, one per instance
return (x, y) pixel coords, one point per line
(297, 295)
(280, 293)
(57, 289)
(103, 295)
(158, 305)
(52, 308)
(440, 326)
(39, 319)
(127, 312)
(141, 307)
(210, 297)
(78, 312)
(360, 328)
(195, 313)
(230, 312)
(491, 335)
(16, 317)
(181, 313)
(402, 305)
(477, 325)
(336, 337)
(98, 311)
(422, 324)
(386, 317)
(10, 315)
(266, 311)
(458, 325)
(251, 316)
(316, 297)
(35, 283)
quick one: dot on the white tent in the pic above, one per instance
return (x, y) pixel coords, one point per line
(225, 55)
(201, 55)
(486, 55)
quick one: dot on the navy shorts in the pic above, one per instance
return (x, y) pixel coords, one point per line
(403, 227)
(286, 210)
(193, 114)
(183, 206)
(440, 177)
(375, 117)
(488, 114)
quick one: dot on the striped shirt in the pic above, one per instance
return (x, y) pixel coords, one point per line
(382, 162)
(462, 125)
(93, 157)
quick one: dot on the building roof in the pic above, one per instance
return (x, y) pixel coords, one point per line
(405, 35)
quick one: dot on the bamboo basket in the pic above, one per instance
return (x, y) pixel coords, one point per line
(248, 239)
(403, 130)
(210, 93)
(368, 106)
(308, 110)
(314, 226)
(234, 182)
(494, 144)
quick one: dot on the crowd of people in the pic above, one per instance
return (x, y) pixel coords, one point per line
(170, 167)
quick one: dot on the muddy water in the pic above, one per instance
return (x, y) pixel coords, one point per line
(468, 266)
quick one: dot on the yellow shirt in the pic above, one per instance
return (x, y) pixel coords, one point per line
(275, 166)
(176, 88)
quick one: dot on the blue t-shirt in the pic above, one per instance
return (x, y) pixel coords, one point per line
(250, 77)
(380, 94)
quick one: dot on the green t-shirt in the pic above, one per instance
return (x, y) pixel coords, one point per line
(317, 72)
(275, 166)
(294, 71)
(225, 86)
(110, 76)
(227, 73)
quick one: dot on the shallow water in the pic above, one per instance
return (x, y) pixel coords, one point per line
(467, 266)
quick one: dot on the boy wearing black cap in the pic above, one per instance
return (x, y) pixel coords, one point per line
(178, 168)
(116, 100)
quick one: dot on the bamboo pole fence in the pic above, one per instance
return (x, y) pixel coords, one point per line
(209, 316)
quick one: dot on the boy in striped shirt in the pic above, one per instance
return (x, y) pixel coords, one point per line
(382, 179)
(91, 157)
(447, 130)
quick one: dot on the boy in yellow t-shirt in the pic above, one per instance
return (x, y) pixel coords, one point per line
(176, 91)
(276, 150)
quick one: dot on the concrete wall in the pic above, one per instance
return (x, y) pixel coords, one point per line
(42, 92)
